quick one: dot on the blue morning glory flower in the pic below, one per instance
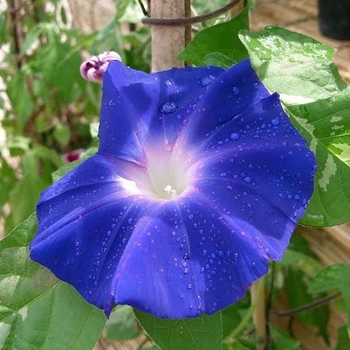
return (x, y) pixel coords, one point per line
(199, 180)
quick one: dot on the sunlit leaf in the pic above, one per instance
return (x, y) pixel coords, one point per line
(326, 126)
(298, 67)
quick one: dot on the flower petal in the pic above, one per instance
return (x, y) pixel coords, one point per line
(85, 223)
(240, 174)
(138, 108)
(234, 91)
(258, 170)
(184, 260)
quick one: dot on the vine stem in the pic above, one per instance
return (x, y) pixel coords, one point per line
(254, 304)
(306, 307)
(259, 314)
(181, 20)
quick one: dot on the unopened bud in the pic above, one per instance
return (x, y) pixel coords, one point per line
(93, 68)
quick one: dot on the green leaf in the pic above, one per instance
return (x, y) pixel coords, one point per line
(296, 287)
(201, 333)
(281, 340)
(232, 317)
(326, 126)
(37, 311)
(343, 341)
(334, 277)
(21, 99)
(25, 193)
(299, 68)
(218, 59)
(7, 180)
(109, 38)
(122, 324)
(219, 39)
(121, 6)
(33, 35)
(308, 264)
(62, 134)
(132, 13)
(47, 154)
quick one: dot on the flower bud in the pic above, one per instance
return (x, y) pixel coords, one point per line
(93, 68)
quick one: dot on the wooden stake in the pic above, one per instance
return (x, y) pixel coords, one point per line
(167, 41)
(257, 293)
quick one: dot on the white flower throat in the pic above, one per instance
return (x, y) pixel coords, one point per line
(167, 172)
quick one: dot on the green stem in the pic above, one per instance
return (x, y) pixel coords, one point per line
(233, 335)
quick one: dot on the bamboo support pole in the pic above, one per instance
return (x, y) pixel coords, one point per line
(259, 315)
(167, 41)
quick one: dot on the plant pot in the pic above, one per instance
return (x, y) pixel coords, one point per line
(334, 18)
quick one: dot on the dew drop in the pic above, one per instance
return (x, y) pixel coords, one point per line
(234, 136)
(275, 121)
(189, 286)
(235, 90)
(207, 80)
(168, 107)
(248, 179)
(167, 83)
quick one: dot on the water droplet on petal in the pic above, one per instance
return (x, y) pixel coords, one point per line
(235, 90)
(234, 136)
(275, 121)
(167, 83)
(248, 179)
(207, 80)
(168, 107)
(189, 286)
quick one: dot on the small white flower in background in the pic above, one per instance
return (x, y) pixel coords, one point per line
(93, 68)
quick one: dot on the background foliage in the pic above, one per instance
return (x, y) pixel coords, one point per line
(50, 114)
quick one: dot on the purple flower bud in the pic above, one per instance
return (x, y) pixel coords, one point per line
(72, 155)
(94, 68)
